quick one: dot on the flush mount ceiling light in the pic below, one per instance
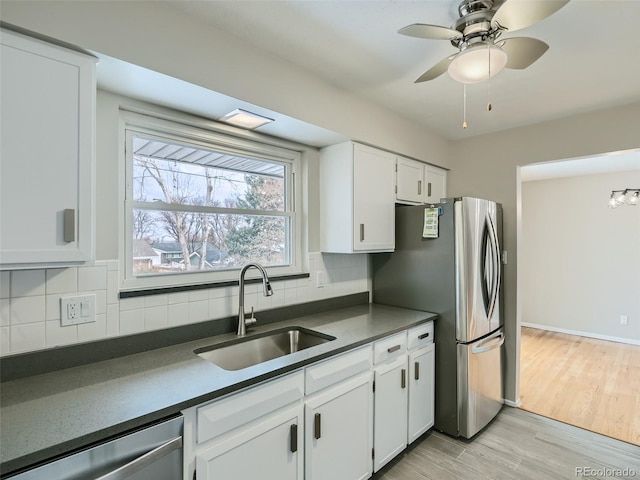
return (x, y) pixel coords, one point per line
(245, 119)
(630, 196)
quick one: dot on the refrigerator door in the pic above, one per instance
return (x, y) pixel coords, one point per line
(480, 395)
(478, 272)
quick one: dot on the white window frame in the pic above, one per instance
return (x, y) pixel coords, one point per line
(185, 129)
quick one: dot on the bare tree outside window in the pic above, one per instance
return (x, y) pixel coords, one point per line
(213, 215)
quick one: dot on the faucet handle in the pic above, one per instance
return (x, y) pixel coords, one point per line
(252, 320)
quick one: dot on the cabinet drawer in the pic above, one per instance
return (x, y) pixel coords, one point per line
(337, 369)
(228, 413)
(420, 336)
(390, 347)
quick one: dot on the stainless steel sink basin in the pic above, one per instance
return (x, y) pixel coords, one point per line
(245, 352)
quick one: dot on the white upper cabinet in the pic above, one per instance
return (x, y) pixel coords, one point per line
(47, 154)
(435, 180)
(418, 183)
(356, 199)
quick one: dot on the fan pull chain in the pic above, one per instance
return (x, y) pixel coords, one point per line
(489, 106)
(464, 105)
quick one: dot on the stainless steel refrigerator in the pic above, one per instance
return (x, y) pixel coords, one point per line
(458, 275)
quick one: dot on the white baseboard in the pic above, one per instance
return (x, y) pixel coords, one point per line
(511, 403)
(582, 334)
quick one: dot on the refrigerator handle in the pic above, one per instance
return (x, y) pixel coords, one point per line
(496, 265)
(492, 344)
(490, 287)
(487, 291)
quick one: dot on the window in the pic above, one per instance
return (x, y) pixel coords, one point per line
(199, 205)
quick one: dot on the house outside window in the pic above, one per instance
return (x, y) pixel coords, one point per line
(200, 204)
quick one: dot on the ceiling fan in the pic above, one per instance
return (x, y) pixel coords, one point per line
(481, 53)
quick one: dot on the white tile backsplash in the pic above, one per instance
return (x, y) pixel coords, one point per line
(26, 283)
(28, 337)
(5, 284)
(61, 280)
(92, 278)
(28, 310)
(30, 301)
(56, 335)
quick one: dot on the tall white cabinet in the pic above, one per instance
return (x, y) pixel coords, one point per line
(46, 154)
(356, 199)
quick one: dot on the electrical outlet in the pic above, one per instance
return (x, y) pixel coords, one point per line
(320, 279)
(77, 310)
(623, 319)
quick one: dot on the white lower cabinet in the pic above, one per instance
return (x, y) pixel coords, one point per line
(390, 414)
(421, 391)
(323, 422)
(338, 428)
(271, 449)
(255, 433)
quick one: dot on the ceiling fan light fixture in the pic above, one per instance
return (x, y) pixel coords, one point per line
(477, 63)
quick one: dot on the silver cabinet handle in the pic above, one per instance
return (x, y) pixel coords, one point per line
(393, 349)
(317, 431)
(294, 438)
(419, 187)
(141, 462)
(69, 225)
(417, 370)
(362, 232)
(423, 336)
(429, 189)
(403, 378)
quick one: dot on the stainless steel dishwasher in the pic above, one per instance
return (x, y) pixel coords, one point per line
(151, 453)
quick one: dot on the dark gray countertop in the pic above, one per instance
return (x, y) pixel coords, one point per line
(50, 414)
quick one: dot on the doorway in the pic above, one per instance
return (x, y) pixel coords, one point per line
(576, 289)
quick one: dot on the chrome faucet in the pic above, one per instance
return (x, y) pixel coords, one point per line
(268, 291)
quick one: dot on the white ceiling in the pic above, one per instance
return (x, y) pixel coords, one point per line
(615, 162)
(592, 63)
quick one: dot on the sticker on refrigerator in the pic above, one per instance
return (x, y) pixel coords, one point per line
(430, 227)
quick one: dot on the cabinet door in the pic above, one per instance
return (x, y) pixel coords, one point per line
(421, 391)
(338, 431)
(390, 411)
(409, 181)
(436, 184)
(271, 450)
(46, 142)
(373, 200)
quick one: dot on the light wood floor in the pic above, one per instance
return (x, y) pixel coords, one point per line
(516, 445)
(594, 384)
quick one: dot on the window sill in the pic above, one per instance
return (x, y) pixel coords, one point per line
(203, 286)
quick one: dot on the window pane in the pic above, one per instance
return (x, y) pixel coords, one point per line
(164, 172)
(163, 239)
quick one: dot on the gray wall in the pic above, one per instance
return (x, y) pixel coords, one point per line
(488, 166)
(579, 258)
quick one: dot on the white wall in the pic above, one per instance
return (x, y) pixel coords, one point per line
(488, 166)
(155, 36)
(580, 259)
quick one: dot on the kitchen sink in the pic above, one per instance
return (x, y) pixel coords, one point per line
(245, 352)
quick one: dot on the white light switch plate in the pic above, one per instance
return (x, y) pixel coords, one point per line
(77, 310)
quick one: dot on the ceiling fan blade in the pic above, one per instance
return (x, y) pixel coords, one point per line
(435, 32)
(435, 71)
(516, 14)
(523, 51)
